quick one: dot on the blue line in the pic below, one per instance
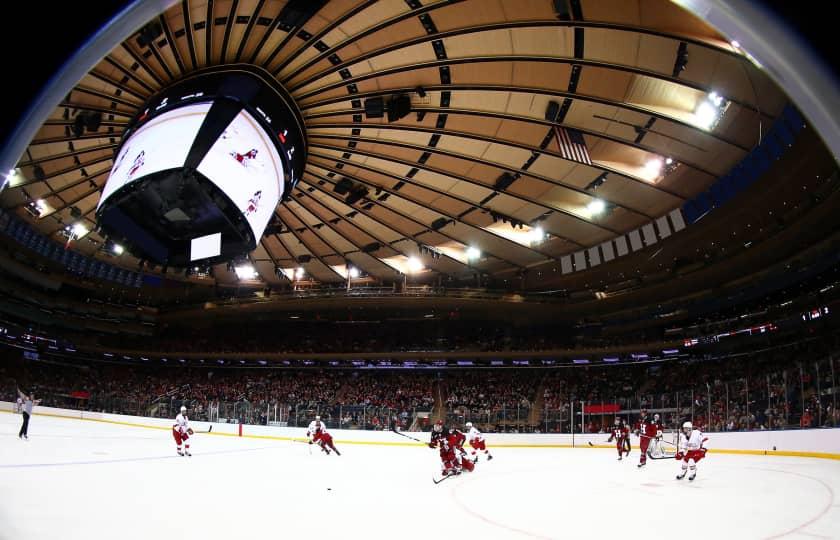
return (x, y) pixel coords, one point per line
(126, 460)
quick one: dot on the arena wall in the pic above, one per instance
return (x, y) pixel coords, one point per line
(819, 443)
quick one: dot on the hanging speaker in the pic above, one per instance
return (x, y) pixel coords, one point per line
(551, 111)
(375, 107)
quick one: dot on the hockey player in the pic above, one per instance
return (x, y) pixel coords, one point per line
(458, 439)
(324, 439)
(621, 434)
(449, 440)
(647, 430)
(477, 442)
(437, 433)
(313, 426)
(181, 432)
(690, 450)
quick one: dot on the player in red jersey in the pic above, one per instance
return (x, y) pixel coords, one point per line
(451, 443)
(647, 430)
(324, 439)
(621, 434)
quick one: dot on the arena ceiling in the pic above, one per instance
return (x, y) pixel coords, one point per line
(474, 179)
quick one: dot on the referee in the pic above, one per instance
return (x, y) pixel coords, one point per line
(26, 411)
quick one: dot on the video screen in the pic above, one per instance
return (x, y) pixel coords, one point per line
(245, 165)
(161, 144)
(205, 247)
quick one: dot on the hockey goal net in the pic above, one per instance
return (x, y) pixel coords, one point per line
(664, 447)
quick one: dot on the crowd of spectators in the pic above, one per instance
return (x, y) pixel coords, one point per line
(791, 386)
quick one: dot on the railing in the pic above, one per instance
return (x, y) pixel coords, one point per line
(504, 419)
(805, 395)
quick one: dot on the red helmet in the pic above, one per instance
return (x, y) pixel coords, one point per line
(439, 426)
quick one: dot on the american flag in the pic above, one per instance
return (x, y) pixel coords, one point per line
(571, 144)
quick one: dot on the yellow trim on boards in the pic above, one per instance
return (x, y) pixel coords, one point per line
(786, 453)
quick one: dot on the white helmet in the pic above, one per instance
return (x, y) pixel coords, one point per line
(317, 417)
(183, 409)
(687, 427)
(617, 421)
(469, 425)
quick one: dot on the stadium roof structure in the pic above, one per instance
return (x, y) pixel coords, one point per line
(445, 138)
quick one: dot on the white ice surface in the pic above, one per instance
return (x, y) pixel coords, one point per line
(88, 480)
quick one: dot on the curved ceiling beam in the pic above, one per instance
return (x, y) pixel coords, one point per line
(324, 239)
(188, 33)
(507, 25)
(61, 172)
(406, 198)
(428, 188)
(382, 242)
(500, 116)
(376, 28)
(522, 90)
(74, 153)
(129, 73)
(299, 237)
(512, 58)
(435, 150)
(171, 41)
(118, 85)
(470, 181)
(252, 21)
(504, 142)
(405, 235)
(316, 37)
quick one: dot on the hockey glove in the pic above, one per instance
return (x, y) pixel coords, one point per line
(702, 452)
(679, 456)
(190, 431)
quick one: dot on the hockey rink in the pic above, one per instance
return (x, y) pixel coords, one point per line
(78, 479)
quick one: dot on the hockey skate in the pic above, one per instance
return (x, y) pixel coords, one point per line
(619, 458)
(180, 453)
(682, 475)
(489, 457)
(692, 477)
(475, 459)
(642, 464)
(187, 453)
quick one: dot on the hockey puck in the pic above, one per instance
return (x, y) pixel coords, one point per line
(774, 448)
(329, 489)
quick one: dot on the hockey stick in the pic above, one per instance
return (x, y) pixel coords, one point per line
(406, 436)
(442, 479)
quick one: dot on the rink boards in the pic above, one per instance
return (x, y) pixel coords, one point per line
(818, 443)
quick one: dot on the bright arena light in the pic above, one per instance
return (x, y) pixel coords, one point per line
(354, 272)
(473, 253)
(79, 230)
(414, 264)
(245, 271)
(596, 206)
(653, 167)
(300, 272)
(118, 249)
(537, 234)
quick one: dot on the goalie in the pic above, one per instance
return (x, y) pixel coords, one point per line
(690, 450)
(181, 432)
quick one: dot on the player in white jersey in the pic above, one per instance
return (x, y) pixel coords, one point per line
(181, 432)
(690, 450)
(317, 433)
(477, 441)
(313, 429)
